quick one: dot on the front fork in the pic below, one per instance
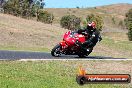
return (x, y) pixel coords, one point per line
(63, 44)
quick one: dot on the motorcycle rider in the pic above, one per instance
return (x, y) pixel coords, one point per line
(92, 36)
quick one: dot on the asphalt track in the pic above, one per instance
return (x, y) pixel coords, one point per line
(16, 55)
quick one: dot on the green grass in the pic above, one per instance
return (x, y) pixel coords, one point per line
(118, 45)
(42, 74)
(38, 49)
(116, 48)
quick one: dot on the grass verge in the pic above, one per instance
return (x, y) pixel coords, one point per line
(31, 49)
(52, 74)
(121, 45)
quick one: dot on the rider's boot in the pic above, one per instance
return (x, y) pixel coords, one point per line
(82, 46)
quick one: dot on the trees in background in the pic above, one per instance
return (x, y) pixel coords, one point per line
(39, 3)
(23, 8)
(33, 8)
(121, 24)
(70, 22)
(128, 23)
(113, 20)
(45, 17)
(97, 19)
(28, 9)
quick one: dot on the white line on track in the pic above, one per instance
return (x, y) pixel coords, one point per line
(74, 59)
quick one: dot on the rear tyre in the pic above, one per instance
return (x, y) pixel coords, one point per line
(56, 51)
(82, 54)
(90, 50)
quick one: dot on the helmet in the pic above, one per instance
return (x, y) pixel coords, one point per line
(91, 26)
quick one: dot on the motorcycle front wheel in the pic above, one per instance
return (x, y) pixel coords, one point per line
(56, 51)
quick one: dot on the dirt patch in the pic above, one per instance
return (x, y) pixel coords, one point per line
(20, 32)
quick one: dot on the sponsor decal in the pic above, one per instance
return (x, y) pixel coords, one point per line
(84, 78)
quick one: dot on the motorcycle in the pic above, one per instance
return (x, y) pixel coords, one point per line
(69, 47)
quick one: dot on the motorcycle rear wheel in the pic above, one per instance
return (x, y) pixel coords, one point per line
(56, 51)
(82, 55)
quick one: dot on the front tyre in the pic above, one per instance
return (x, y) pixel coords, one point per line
(56, 51)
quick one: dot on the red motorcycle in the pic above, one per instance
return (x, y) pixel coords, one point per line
(69, 47)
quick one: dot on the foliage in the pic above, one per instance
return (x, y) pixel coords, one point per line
(18, 8)
(45, 17)
(121, 24)
(130, 35)
(95, 7)
(113, 20)
(78, 7)
(128, 23)
(70, 22)
(40, 3)
(23, 8)
(28, 9)
(97, 19)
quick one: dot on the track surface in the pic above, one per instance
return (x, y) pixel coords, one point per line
(16, 55)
